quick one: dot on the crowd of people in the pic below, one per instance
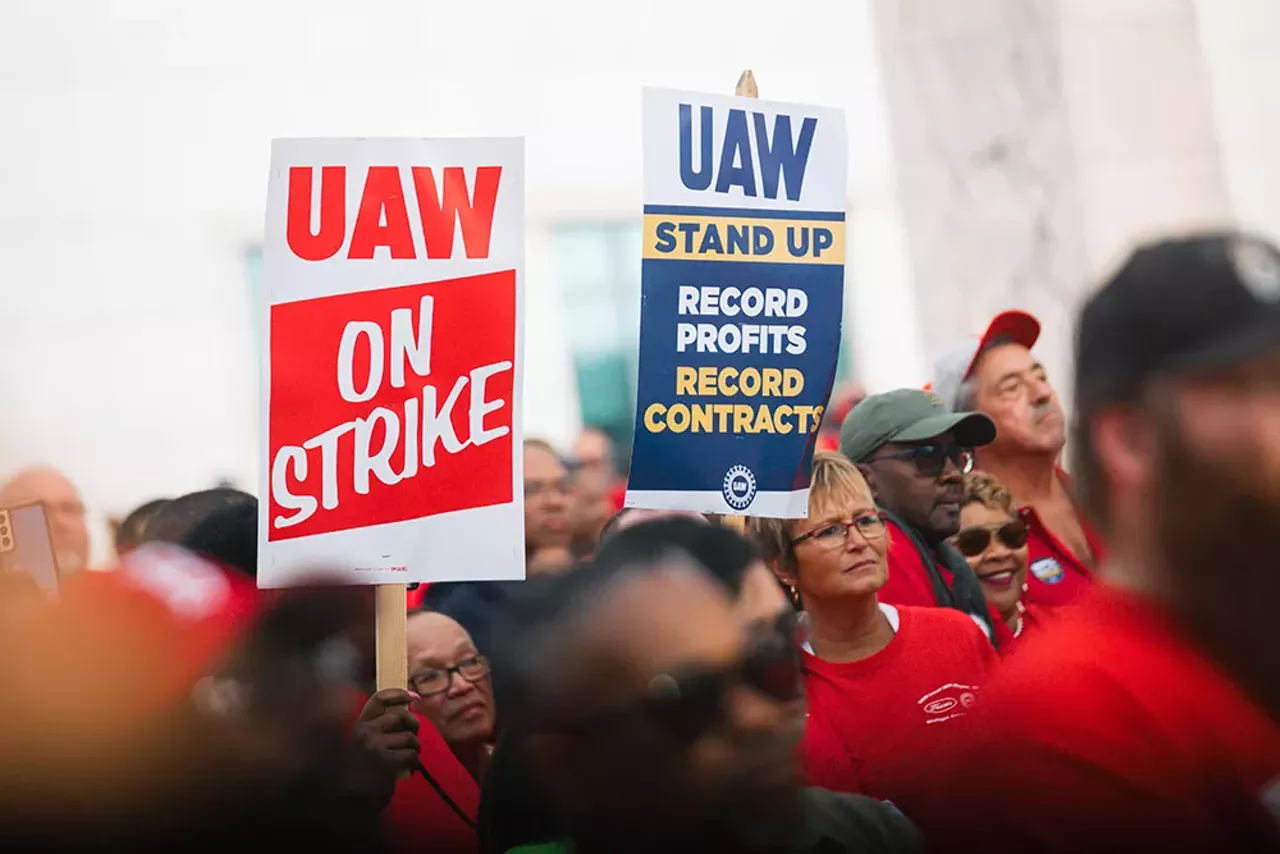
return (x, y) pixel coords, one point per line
(960, 648)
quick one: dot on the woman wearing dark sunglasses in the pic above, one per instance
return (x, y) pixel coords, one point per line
(886, 684)
(994, 541)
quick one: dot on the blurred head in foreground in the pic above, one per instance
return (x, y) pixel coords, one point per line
(170, 698)
(132, 530)
(221, 524)
(65, 510)
(1177, 440)
(630, 516)
(727, 556)
(647, 713)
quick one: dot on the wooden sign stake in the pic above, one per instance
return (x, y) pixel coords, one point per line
(391, 616)
(746, 88)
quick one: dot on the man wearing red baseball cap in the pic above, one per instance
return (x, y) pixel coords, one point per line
(997, 374)
(1148, 717)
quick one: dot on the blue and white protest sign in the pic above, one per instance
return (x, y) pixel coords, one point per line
(741, 301)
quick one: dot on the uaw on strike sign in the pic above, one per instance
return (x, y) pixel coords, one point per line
(742, 288)
(391, 377)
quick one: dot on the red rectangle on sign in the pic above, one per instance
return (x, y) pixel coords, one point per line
(391, 405)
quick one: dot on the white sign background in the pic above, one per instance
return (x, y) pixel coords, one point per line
(485, 543)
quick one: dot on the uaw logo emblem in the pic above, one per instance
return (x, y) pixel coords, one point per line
(739, 488)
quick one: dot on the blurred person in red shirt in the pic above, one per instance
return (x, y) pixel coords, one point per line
(886, 685)
(63, 507)
(211, 713)
(451, 679)
(993, 539)
(1147, 718)
(997, 374)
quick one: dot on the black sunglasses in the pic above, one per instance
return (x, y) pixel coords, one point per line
(685, 704)
(974, 540)
(930, 460)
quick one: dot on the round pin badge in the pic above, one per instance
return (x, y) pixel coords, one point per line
(1258, 267)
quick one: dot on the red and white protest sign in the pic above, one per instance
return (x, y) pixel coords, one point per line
(391, 378)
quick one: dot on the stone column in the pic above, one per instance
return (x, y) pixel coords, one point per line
(1034, 141)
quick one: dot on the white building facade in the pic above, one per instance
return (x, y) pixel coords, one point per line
(1002, 152)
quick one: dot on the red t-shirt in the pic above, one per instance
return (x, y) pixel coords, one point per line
(1109, 732)
(873, 724)
(418, 819)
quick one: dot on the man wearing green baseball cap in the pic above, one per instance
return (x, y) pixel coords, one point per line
(914, 453)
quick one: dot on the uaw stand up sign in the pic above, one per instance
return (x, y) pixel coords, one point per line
(741, 301)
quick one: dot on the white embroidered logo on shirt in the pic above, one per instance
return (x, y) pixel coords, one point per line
(948, 702)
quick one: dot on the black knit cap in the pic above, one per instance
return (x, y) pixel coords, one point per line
(1177, 307)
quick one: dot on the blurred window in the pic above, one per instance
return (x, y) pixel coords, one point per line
(598, 265)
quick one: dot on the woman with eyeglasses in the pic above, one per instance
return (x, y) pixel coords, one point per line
(994, 542)
(885, 684)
